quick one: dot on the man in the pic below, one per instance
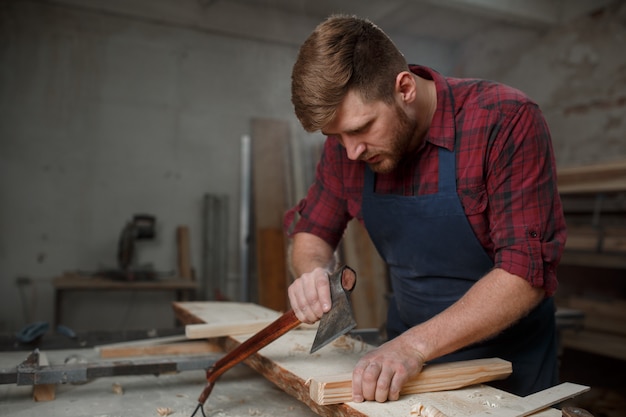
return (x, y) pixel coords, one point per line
(455, 181)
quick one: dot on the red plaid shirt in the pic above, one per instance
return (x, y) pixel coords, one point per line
(506, 177)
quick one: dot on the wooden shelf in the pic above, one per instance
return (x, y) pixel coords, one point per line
(593, 179)
(72, 281)
(600, 260)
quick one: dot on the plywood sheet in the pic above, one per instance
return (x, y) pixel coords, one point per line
(288, 364)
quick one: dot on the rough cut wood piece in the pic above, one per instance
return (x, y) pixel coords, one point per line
(44, 392)
(184, 253)
(205, 331)
(288, 364)
(535, 402)
(335, 389)
(185, 348)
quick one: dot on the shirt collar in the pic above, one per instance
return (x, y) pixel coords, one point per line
(442, 127)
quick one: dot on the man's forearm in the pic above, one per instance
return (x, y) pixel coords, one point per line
(494, 303)
(308, 252)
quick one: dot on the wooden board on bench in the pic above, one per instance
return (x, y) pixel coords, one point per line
(288, 364)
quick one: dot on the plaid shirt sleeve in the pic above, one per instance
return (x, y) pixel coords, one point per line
(525, 219)
(325, 211)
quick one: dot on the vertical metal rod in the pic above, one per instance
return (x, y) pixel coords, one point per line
(244, 219)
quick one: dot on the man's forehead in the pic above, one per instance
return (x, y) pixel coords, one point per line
(352, 115)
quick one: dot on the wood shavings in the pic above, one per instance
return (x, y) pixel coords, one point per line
(117, 388)
(490, 404)
(344, 343)
(164, 411)
(420, 410)
(299, 348)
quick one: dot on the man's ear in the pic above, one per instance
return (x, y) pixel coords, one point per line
(406, 87)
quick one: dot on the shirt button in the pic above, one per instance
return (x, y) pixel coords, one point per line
(533, 234)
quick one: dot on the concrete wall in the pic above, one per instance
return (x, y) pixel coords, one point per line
(108, 109)
(577, 73)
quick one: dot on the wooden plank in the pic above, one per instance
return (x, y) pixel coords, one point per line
(75, 281)
(184, 348)
(335, 389)
(610, 239)
(270, 187)
(184, 253)
(369, 301)
(538, 401)
(288, 364)
(221, 312)
(209, 330)
(152, 341)
(602, 177)
(600, 343)
(608, 315)
(601, 260)
(272, 268)
(44, 392)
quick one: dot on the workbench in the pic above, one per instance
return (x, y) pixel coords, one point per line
(73, 281)
(241, 392)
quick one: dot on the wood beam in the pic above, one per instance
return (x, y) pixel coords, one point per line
(336, 389)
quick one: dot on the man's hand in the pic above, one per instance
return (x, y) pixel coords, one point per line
(380, 374)
(309, 295)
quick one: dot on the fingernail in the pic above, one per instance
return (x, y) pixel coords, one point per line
(326, 307)
(357, 399)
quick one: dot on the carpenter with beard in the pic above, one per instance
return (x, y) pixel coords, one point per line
(455, 182)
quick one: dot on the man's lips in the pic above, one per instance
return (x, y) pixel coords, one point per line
(373, 159)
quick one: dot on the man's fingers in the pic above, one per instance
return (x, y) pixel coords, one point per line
(310, 296)
(397, 382)
(370, 381)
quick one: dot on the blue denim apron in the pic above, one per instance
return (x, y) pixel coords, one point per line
(434, 257)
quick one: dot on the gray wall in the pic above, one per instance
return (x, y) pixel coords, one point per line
(105, 116)
(107, 110)
(577, 73)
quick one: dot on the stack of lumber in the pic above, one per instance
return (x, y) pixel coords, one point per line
(600, 177)
(604, 327)
(288, 364)
(595, 207)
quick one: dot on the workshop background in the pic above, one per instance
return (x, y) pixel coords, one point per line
(180, 110)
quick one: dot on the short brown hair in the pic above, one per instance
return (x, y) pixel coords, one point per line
(342, 53)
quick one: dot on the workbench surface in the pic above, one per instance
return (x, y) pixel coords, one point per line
(240, 392)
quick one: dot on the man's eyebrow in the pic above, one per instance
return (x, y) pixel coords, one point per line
(361, 127)
(356, 129)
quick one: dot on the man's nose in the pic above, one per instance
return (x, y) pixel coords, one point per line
(354, 148)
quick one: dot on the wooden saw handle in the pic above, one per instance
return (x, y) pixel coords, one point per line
(252, 345)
